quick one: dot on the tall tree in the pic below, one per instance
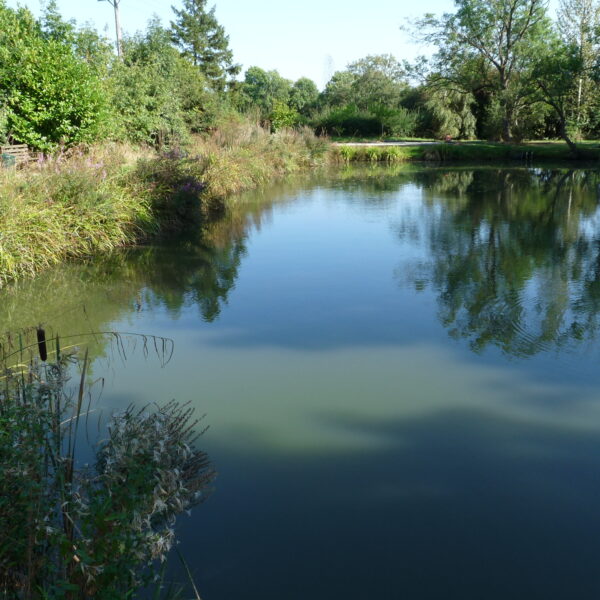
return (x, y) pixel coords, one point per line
(48, 95)
(304, 95)
(557, 73)
(202, 39)
(579, 27)
(502, 32)
(379, 80)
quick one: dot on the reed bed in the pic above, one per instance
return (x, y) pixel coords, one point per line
(462, 152)
(71, 205)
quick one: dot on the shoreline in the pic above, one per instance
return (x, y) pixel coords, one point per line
(82, 204)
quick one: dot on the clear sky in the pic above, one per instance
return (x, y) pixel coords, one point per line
(308, 38)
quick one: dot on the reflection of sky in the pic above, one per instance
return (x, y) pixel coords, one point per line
(362, 452)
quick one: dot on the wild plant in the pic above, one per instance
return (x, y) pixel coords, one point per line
(76, 531)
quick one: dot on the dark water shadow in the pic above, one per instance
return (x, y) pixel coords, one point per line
(459, 504)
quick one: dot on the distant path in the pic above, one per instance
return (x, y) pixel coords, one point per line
(384, 143)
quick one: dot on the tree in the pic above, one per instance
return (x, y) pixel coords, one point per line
(450, 112)
(263, 89)
(557, 73)
(579, 26)
(379, 80)
(86, 43)
(50, 95)
(157, 94)
(502, 33)
(304, 95)
(338, 91)
(200, 37)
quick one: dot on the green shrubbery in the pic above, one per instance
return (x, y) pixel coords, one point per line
(350, 121)
(75, 531)
(49, 95)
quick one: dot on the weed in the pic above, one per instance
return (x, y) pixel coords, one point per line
(72, 531)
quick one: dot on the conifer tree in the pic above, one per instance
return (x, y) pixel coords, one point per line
(203, 40)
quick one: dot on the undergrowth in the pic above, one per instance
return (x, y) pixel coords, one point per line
(460, 152)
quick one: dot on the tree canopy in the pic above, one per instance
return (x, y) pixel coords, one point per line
(201, 38)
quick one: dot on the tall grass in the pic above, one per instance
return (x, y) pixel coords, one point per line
(74, 531)
(460, 152)
(83, 202)
(74, 204)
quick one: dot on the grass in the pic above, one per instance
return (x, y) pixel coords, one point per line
(70, 205)
(466, 152)
(84, 202)
(384, 138)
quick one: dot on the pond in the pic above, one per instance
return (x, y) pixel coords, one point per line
(400, 371)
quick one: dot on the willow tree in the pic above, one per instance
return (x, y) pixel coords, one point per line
(503, 33)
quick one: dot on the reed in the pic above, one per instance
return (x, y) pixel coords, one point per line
(473, 152)
(75, 531)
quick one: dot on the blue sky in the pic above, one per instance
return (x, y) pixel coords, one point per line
(311, 38)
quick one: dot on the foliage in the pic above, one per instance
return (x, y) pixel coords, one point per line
(145, 89)
(50, 96)
(283, 116)
(555, 76)
(70, 531)
(502, 34)
(200, 37)
(379, 80)
(261, 89)
(339, 91)
(379, 121)
(304, 96)
(450, 113)
(579, 28)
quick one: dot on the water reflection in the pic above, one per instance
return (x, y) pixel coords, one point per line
(361, 452)
(513, 256)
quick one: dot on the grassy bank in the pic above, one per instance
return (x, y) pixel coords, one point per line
(84, 202)
(465, 151)
(80, 203)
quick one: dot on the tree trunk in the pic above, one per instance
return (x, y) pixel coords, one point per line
(565, 136)
(506, 126)
(507, 111)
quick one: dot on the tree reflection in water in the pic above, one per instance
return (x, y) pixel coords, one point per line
(514, 256)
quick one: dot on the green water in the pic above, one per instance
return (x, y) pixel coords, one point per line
(400, 370)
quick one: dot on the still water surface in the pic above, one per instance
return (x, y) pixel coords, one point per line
(401, 373)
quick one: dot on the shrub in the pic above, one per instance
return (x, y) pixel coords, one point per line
(378, 121)
(52, 97)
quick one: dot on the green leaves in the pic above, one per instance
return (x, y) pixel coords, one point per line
(51, 97)
(200, 37)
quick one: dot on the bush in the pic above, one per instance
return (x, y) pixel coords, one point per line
(51, 97)
(349, 121)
